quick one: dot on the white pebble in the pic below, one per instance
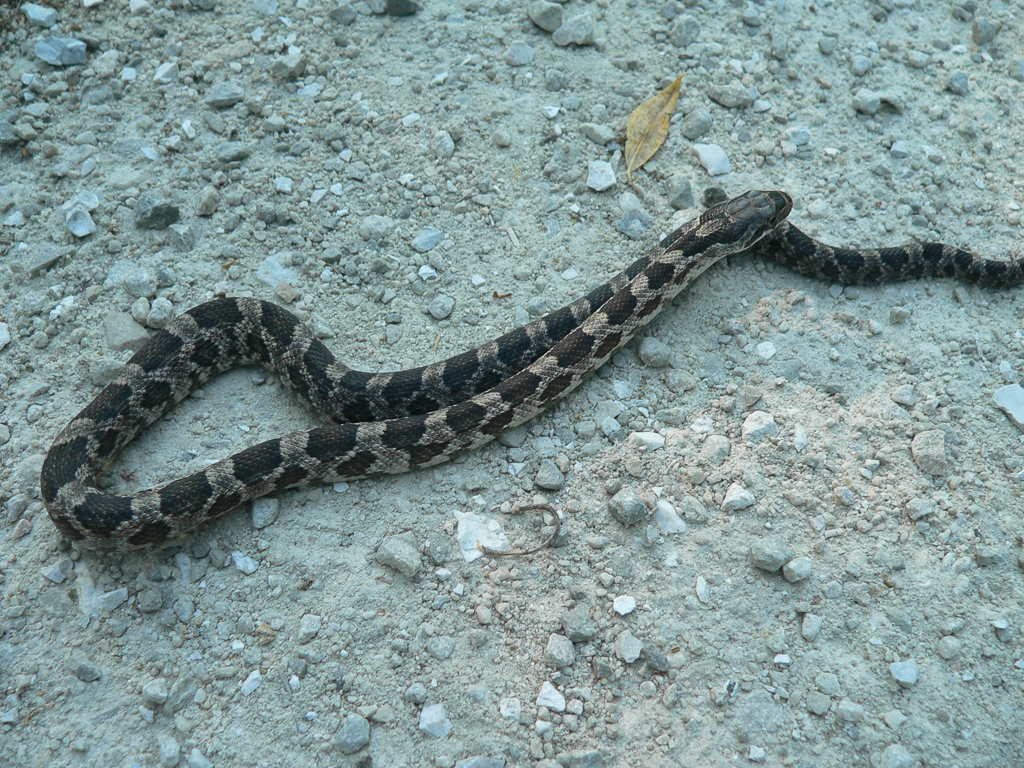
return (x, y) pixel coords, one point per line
(434, 720)
(624, 605)
(551, 698)
(244, 563)
(713, 158)
(737, 498)
(600, 175)
(252, 682)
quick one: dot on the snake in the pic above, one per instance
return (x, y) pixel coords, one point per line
(386, 423)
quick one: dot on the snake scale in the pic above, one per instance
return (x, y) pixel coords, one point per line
(379, 423)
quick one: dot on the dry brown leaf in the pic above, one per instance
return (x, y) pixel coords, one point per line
(647, 127)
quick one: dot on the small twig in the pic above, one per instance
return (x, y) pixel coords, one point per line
(545, 545)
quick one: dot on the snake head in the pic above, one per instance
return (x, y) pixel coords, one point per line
(742, 221)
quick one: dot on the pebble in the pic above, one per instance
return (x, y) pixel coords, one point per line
(668, 519)
(684, 31)
(627, 647)
(375, 227)
(86, 671)
(949, 647)
(929, 451)
(519, 54)
(984, 31)
(713, 158)
(252, 682)
(264, 511)
(152, 213)
(434, 721)
(547, 16)
(681, 195)
(627, 507)
(155, 691)
(957, 83)
(652, 441)
(197, 759)
(600, 175)
(797, 569)
(732, 95)
(904, 672)
(799, 437)
(400, 553)
(551, 698)
(166, 73)
(122, 333)
(860, 65)
(598, 133)
(634, 223)
(655, 353)
(244, 563)
(549, 478)
(770, 554)
(5, 335)
(624, 605)
(577, 29)
(309, 627)
(224, 95)
(578, 625)
(850, 711)
(696, 123)
(428, 239)
(354, 734)
(442, 145)
(441, 306)
(169, 750)
(759, 426)
(289, 67)
(810, 626)
(737, 498)
(61, 51)
(1009, 398)
(818, 703)
(867, 101)
(79, 222)
(559, 652)
(896, 756)
(39, 16)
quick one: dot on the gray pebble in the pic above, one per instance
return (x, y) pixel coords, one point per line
(519, 54)
(866, 101)
(353, 735)
(736, 498)
(123, 333)
(264, 511)
(428, 239)
(713, 158)
(984, 31)
(818, 703)
(309, 627)
(168, 749)
(896, 756)
(849, 711)
(416, 694)
(153, 213)
(547, 16)
(600, 175)
(696, 123)
(929, 451)
(904, 672)
(79, 222)
(949, 647)
(501, 138)
(628, 647)
(232, 152)
(828, 44)
(86, 671)
(957, 82)
(989, 554)
(197, 759)
(155, 692)
(576, 29)
(860, 65)
(166, 73)
(375, 227)
(578, 625)
(549, 478)
(39, 16)
(559, 651)
(140, 282)
(224, 95)
(770, 554)
(732, 96)
(61, 51)
(1010, 399)
(401, 553)
(442, 145)
(797, 569)
(627, 507)
(598, 133)
(654, 353)
(441, 306)
(684, 31)
(1017, 70)
(289, 67)
(759, 426)
(681, 193)
(634, 223)
(810, 626)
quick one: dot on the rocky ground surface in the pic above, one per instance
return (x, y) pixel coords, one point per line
(791, 514)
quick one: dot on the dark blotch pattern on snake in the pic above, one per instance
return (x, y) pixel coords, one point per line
(380, 423)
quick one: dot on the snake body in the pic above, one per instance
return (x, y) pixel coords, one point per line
(382, 423)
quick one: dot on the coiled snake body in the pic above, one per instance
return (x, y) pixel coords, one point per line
(392, 422)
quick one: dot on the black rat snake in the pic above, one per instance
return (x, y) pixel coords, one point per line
(392, 422)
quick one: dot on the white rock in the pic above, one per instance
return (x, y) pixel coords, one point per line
(252, 682)
(244, 563)
(624, 605)
(510, 708)
(551, 698)
(703, 590)
(668, 519)
(766, 350)
(713, 158)
(5, 335)
(309, 626)
(475, 533)
(1011, 400)
(628, 647)
(651, 440)
(600, 175)
(904, 672)
(434, 720)
(737, 498)
(758, 426)
(799, 437)
(797, 569)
